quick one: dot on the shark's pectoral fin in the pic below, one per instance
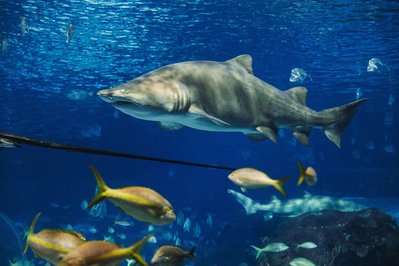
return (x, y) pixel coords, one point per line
(200, 112)
(269, 132)
(302, 136)
(169, 126)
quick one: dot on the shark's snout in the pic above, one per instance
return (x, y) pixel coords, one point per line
(106, 95)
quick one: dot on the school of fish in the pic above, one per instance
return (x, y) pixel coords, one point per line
(66, 247)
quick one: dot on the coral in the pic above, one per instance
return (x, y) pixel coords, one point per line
(369, 238)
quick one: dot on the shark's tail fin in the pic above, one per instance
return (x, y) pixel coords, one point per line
(258, 250)
(339, 118)
(280, 183)
(249, 204)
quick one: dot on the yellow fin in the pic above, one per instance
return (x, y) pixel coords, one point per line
(302, 173)
(32, 226)
(102, 188)
(134, 251)
(258, 250)
(280, 183)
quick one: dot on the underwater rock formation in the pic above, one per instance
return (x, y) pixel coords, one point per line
(369, 238)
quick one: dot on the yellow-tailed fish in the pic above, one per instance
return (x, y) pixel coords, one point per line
(308, 245)
(103, 253)
(52, 244)
(301, 262)
(170, 255)
(252, 178)
(142, 203)
(274, 247)
(309, 175)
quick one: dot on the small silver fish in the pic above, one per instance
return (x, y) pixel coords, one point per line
(301, 262)
(109, 239)
(111, 230)
(274, 247)
(187, 225)
(180, 218)
(122, 223)
(209, 220)
(24, 26)
(70, 32)
(307, 245)
(121, 236)
(197, 230)
(4, 44)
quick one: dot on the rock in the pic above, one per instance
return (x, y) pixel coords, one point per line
(369, 238)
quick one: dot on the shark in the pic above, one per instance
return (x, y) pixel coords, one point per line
(225, 97)
(298, 206)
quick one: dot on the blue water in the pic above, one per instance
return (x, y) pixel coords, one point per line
(117, 41)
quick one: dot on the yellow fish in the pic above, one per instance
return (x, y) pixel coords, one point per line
(252, 178)
(52, 244)
(309, 175)
(103, 253)
(142, 203)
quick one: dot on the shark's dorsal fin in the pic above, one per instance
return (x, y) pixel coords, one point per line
(298, 93)
(306, 194)
(244, 60)
(273, 198)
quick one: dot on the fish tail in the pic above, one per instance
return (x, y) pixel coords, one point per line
(134, 251)
(251, 206)
(338, 119)
(297, 246)
(258, 250)
(102, 188)
(280, 183)
(32, 226)
(190, 254)
(302, 173)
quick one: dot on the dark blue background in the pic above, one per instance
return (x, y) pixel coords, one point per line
(116, 42)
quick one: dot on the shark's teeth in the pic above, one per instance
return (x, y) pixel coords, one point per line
(121, 103)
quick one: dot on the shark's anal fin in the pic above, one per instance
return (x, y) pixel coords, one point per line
(256, 136)
(269, 132)
(298, 93)
(169, 126)
(302, 136)
(200, 112)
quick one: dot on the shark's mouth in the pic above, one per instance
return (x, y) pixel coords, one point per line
(123, 103)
